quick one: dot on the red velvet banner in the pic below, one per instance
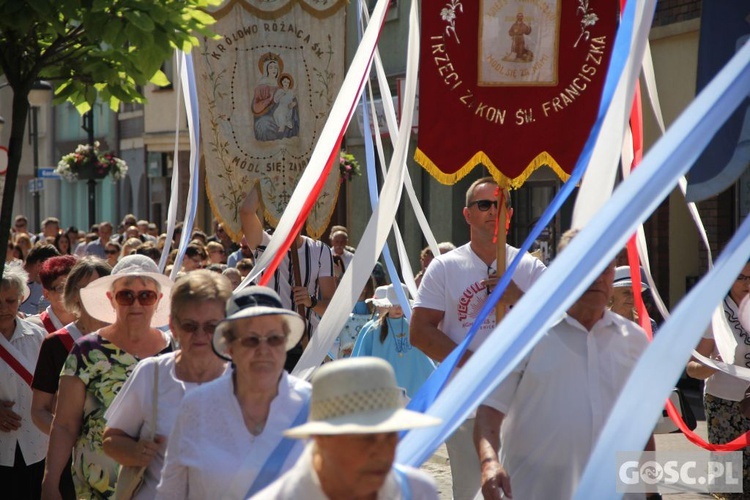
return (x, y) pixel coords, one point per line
(512, 85)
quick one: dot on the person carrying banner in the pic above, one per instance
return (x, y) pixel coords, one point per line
(550, 410)
(318, 282)
(453, 291)
(227, 440)
(22, 445)
(355, 416)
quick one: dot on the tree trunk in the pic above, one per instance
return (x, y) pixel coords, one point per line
(15, 149)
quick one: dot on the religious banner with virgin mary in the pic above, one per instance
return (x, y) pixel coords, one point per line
(510, 84)
(265, 88)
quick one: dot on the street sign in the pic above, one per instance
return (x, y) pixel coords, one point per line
(48, 173)
(36, 185)
(3, 160)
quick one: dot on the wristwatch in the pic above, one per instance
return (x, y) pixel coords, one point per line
(313, 301)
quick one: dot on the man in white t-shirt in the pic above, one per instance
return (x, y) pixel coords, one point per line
(452, 292)
(318, 283)
(549, 411)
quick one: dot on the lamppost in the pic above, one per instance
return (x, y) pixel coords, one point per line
(88, 126)
(39, 95)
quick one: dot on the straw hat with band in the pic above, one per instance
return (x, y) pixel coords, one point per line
(255, 301)
(357, 396)
(94, 295)
(389, 297)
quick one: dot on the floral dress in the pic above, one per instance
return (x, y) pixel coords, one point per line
(103, 368)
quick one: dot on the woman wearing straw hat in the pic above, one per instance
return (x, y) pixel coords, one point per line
(355, 416)
(197, 306)
(135, 300)
(228, 439)
(388, 338)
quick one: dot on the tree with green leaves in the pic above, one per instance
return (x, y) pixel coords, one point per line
(105, 49)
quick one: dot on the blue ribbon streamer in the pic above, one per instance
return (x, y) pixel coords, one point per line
(437, 381)
(633, 417)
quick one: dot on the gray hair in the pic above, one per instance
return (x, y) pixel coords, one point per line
(15, 276)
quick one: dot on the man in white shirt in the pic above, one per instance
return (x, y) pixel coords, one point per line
(550, 410)
(452, 292)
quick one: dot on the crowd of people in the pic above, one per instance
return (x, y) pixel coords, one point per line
(108, 366)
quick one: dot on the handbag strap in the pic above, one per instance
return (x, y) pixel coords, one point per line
(154, 400)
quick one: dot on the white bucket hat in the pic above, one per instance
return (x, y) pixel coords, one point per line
(94, 295)
(357, 396)
(389, 297)
(254, 301)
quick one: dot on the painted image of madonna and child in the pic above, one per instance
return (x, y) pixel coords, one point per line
(275, 110)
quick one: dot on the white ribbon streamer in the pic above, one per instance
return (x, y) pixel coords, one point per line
(193, 122)
(377, 228)
(173, 201)
(598, 181)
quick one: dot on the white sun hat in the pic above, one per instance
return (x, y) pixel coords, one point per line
(378, 295)
(254, 301)
(94, 295)
(357, 396)
(389, 297)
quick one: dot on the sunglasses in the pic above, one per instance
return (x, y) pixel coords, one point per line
(144, 297)
(483, 205)
(252, 342)
(192, 328)
(110, 252)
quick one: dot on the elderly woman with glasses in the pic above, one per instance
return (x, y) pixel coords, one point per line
(198, 302)
(228, 439)
(134, 299)
(22, 445)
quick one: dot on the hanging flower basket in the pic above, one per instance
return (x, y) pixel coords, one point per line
(86, 162)
(348, 166)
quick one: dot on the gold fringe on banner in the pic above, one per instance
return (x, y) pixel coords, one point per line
(480, 158)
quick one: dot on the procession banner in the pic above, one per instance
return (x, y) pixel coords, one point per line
(523, 78)
(725, 28)
(266, 87)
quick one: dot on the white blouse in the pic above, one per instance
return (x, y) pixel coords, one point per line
(24, 346)
(210, 442)
(131, 410)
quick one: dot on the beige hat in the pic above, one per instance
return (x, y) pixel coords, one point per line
(357, 396)
(94, 295)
